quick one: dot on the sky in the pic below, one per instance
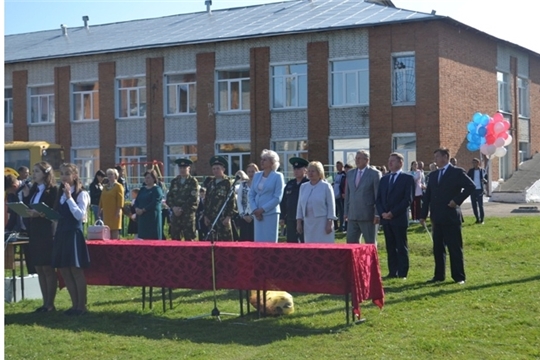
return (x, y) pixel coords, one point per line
(507, 20)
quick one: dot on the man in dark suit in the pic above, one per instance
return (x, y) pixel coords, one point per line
(447, 188)
(360, 195)
(394, 197)
(478, 175)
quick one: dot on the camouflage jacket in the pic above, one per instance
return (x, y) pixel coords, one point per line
(216, 194)
(184, 195)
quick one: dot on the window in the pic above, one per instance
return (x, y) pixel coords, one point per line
(523, 98)
(403, 80)
(132, 98)
(350, 82)
(238, 156)
(42, 104)
(8, 106)
(134, 158)
(233, 90)
(174, 152)
(289, 84)
(87, 161)
(344, 150)
(181, 94)
(405, 144)
(287, 150)
(503, 91)
(85, 101)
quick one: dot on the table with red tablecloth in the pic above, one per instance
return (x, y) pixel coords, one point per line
(338, 269)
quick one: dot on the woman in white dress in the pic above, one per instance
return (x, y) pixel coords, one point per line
(316, 209)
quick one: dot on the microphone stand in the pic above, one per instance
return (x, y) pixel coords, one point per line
(211, 236)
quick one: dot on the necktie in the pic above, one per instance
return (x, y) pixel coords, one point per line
(392, 179)
(358, 176)
(441, 173)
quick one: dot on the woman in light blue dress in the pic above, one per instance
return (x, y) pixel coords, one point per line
(265, 196)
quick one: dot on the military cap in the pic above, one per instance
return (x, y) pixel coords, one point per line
(298, 162)
(219, 160)
(183, 162)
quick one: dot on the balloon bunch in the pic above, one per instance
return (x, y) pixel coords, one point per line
(488, 134)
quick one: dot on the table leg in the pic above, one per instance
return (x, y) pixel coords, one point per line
(347, 308)
(241, 302)
(21, 257)
(14, 276)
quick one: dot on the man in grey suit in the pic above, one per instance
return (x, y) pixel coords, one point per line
(360, 196)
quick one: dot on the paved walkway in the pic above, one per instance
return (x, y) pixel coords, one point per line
(497, 209)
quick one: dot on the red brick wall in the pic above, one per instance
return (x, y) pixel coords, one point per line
(318, 113)
(155, 123)
(534, 90)
(454, 68)
(261, 122)
(468, 84)
(380, 105)
(107, 121)
(20, 110)
(206, 120)
(62, 126)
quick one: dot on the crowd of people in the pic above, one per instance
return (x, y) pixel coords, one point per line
(251, 207)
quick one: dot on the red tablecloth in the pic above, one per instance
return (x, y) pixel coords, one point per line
(313, 268)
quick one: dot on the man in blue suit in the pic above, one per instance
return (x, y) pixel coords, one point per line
(394, 197)
(447, 188)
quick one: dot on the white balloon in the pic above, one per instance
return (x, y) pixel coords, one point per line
(484, 149)
(500, 152)
(508, 140)
(499, 142)
(491, 149)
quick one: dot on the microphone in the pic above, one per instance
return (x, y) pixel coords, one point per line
(23, 184)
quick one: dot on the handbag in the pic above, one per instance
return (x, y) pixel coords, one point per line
(99, 231)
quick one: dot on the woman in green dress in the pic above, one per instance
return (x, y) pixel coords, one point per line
(148, 208)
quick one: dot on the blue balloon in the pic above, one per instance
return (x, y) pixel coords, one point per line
(470, 137)
(482, 140)
(481, 131)
(477, 117)
(473, 147)
(472, 127)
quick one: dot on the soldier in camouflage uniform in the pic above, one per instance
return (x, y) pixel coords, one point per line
(216, 194)
(182, 199)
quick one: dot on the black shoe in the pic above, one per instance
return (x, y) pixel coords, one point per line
(41, 309)
(434, 280)
(389, 276)
(69, 312)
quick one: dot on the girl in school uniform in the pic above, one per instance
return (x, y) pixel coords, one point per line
(41, 231)
(70, 254)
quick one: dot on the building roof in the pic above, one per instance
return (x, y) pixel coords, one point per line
(296, 16)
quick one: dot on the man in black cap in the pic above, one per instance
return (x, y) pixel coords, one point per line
(290, 199)
(182, 199)
(216, 195)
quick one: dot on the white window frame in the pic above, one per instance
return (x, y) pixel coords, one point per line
(361, 90)
(88, 165)
(401, 74)
(285, 154)
(171, 168)
(133, 180)
(289, 81)
(503, 91)
(8, 106)
(229, 155)
(42, 116)
(176, 87)
(139, 92)
(524, 109)
(92, 97)
(243, 106)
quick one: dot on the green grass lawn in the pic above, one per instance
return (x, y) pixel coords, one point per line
(495, 315)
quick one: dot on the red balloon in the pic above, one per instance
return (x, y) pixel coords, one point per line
(490, 139)
(497, 117)
(504, 135)
(506, 125)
